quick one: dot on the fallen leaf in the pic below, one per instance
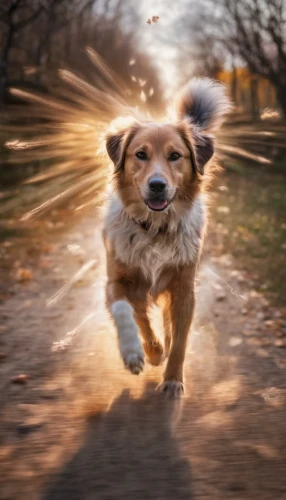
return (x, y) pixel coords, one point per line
(234, 341)
(46, 248)
(281, 363)
(20, 379)
(149, 21)
(155, 19)
(23, 274)
(269, 114)
(277, 314)
(274, 396)
(27, 303)
(259, 341)
(223, 210)
(262, 353)
(45, 263)
(221, 296)
(5, 296)
(280, 343)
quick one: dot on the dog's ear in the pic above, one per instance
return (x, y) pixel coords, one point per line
(117, 144)
(201, 146)
(201, 105)
(204, 150)
(114, 148)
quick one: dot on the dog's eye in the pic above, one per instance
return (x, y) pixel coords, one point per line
(141, 155)
(174, 156)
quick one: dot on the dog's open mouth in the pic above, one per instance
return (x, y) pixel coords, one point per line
(157, 205)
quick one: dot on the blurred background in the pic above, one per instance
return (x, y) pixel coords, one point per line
(241, 44)
(121, 57)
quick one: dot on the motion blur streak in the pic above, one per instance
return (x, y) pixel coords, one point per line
(66, 133)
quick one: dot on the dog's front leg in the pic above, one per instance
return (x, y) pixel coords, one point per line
(181, 310)
(122, 312)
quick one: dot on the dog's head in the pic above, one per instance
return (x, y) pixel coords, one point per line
(160, 165)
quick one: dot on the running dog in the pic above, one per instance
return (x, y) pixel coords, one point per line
(154, 226)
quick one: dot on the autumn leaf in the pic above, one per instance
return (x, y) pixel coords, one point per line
(23, 274)
(155, 19)
(20, 379)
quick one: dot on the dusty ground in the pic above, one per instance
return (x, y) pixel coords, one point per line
(78, 426)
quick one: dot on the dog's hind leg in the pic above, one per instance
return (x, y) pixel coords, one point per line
(165, 303)
(181, 309)
(152, 346)
(167, 322)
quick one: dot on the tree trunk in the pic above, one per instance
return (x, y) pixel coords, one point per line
(281, 97)
(234, 84)
(254, 98)
(4, 64)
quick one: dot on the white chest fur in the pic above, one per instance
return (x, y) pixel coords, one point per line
(151, 251)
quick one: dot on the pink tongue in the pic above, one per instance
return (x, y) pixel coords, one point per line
(157, 204)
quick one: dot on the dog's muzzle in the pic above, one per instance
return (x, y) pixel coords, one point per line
(157, 198)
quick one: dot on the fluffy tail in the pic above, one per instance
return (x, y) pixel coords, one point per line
(204, 103)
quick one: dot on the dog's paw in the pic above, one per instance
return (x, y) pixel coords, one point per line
(154, 352)
(134, 362)
(172, 388)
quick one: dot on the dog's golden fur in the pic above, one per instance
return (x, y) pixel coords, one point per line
(155, 224)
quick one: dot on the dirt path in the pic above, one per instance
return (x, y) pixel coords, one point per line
(80, 427)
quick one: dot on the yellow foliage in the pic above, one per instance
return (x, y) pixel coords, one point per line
(245, 82)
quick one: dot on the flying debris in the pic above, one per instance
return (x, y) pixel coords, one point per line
(154, 19)
(66, 133)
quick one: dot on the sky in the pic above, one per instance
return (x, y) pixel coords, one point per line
(160, 40)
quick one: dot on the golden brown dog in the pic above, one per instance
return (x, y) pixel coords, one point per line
(154, 227)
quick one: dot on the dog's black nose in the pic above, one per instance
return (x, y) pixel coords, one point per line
(157, 184)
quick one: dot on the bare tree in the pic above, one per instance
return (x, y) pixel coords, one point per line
(14, 17)
(253, 31)
(40, 36)
(259, 37)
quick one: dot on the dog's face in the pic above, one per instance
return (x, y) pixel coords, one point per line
(158, 168)
(156, 165)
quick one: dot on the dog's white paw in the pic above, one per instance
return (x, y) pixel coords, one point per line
(134, 362)
(172, 388)
(131, 350)
(129, 342)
